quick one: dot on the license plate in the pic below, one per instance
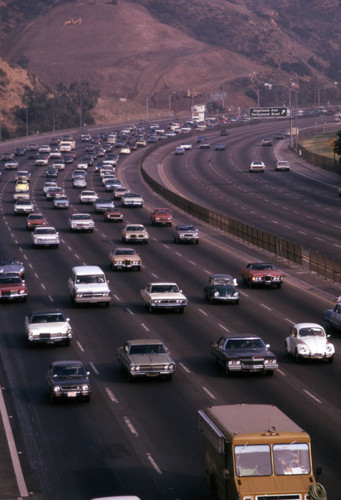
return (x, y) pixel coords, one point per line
(71, 394)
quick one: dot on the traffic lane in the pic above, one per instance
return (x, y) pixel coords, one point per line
(233, 197)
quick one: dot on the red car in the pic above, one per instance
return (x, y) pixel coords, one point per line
(261, 273)
(12, 287)
(161, 217)
(113, 215)
(34, 220)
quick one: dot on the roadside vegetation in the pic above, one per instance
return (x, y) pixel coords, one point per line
(321, 144)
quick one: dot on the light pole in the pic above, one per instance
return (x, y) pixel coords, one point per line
(148, 96)
(170, 103)
(252, 77)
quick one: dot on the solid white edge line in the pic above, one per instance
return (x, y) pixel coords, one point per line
(80, 346)
(12, 448)
(94, 369)
(185, 368)
(312, 396)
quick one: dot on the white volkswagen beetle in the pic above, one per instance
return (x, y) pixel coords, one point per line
(309, 341)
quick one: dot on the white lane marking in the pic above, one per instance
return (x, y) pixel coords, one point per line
(154, 464)
(94, 369)
(50, 298)
(208, 392)
(224, 328)
(130, 311)
(290, 321)
(280, 371)
(178, 253)
(154, 275)
(192, 262)
(312, 396)
(202, 312)
(43, 286)
(80, 346)
(207, 272)
(12, 448)
(266, 307)
(130, 426)
(145, 327)
(187, 370)
(117, 297)
(111, 395)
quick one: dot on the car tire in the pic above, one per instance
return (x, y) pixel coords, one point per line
(86, 399)
(298, 358)
(169, 376)
(150, 309)
(279, 285)
(52, 398)
(236, 302)
(330, 360)
(227, 371)
(269, 373)
(181, 310)
(66, 343)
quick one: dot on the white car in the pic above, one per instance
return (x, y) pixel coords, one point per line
(309, 341)
(23, 207)
(88, 197)
(79, 182)
(163, 296)
(179, 150)
(50, 327)
(81, 222)
(257, 166)
(282, 165)
(132, 200)
(88, 284)
(186, 146)
(45, 236)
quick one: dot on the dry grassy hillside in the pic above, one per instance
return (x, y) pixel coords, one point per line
(134, 49)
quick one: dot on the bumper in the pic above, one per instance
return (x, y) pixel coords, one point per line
(49, 338)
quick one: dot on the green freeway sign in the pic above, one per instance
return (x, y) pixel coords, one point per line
(268, 112)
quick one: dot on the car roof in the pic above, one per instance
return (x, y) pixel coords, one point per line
(307, 325)
(87, 270)
(67, 362)
(143, 341)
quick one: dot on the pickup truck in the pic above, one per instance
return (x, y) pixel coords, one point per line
(161, 217)
(332, 317)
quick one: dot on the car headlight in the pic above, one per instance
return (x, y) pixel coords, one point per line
(270, 362)
(85, 387)
(135, 368)
(57, 388)
(171, 366)
(302, 349)
(329, 348)
(235, 294)
(234, 362)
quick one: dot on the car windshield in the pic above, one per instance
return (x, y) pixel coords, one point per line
(262, 267)
(162, 211)
(311, 332)
(135, 228)
(96, 278)
(186, 228)
(148, 349)
(6, 262)
(81, 217)
(36, 217)
(9, 280)
(253, 460)
(164, 288)
(245, 344)
(45, 230)
(67, 371)
(125, 252)
(222, 280)
(47, 318)
(291, 459)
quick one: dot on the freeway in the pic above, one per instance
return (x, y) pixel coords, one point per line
(143, 438)
(301, 206)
